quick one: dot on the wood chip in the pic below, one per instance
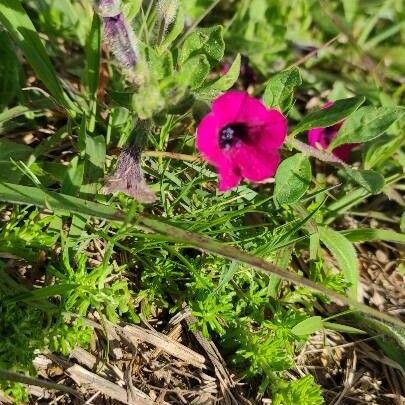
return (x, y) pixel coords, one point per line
(89, 380)
(84, 358)
(136, 335)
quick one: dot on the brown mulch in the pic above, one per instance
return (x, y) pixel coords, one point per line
(138, 365)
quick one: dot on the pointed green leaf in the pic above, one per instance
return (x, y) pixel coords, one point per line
(279, 90)
(93, 55)
(370, 234)
(366, 124)
(208, 41)
(326, 117)
(308, 326)
(213, 89)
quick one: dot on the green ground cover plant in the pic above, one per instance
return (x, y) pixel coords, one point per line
(110, 214)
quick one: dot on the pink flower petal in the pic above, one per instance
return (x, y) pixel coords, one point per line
(343, 152)
(272, 133)
(256, 165)
(207, 139)
(229, 177)
(316, 138)
(229, 106)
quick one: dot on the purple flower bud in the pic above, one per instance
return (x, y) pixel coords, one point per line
(118, 35)
(128, 177)
(107, 8)
(121, 40)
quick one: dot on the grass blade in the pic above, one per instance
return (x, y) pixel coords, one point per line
(22, 30)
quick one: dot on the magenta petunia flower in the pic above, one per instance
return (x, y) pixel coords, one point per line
(322, 137)
(241, 138)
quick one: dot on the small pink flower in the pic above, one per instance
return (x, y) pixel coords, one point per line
(322, 137)
(241, 138)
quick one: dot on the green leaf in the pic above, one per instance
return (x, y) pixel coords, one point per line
(207, 41)
(308, 326)
(17, 111)
(57, 202)
(370, 180)
(93, 55)
(41, 293)
(393, 337)
(366, 124)
(73, 178)
(94, 165)
(342, 328)
(131, 8)
(160, 65)
(10, 150)
(369, 234)
(9, 71)
(345, 254)
(194, 71)
(279, 90)
(21, 29)
(381, 150)
(293, 178)
(213, 89)
(326, 117)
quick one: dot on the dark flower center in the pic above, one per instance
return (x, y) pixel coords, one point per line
(231, 134)
(330, 133)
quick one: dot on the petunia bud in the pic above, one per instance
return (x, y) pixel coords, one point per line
(107, 8)
(167, 10)
(128, 177)
(118, 35)
(121, 40)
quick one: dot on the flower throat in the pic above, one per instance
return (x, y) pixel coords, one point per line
(231, 134)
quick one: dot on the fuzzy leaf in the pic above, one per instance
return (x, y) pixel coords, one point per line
(194, 71)
(293, 178)
(207, 41)
(213, 89)
(366, 124)
(279, 91)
